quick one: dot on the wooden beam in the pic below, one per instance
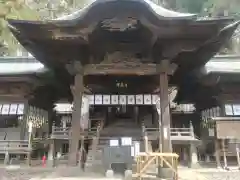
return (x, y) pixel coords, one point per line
(127, 69)
(119, 68)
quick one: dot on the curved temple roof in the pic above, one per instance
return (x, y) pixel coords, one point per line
(156, 9)
(147, 30)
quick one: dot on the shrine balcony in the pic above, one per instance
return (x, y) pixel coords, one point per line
(177, 134)
(64, 133)
(15, 146)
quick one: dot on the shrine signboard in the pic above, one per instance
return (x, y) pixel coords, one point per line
(140, 99)
(228, 129)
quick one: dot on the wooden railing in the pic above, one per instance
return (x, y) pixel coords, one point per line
(62, 133)
(15, 145)
(182, 132)
(174, 132)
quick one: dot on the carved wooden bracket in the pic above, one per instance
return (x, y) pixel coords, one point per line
(75, 68)
(166, 67)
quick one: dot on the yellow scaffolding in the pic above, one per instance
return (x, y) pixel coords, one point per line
(144, 160)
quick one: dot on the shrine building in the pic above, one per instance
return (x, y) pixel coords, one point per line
(120, 70)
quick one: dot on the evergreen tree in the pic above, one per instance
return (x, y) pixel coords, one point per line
(31, 10)
(14, 9)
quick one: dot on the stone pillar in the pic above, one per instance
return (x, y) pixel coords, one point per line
(51, 154)
(77, 91)
(207, 159)
(193, 157)
(185, 154)
(165, 172)
(29, 158)
(217, 153)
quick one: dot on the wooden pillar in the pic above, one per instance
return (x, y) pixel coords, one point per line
(217, 153)
(165, 113)
(29, 158)
(109, 115)
(153, 116)
(165, 119)
(51, 154)
(77, 91)
(224, 153)
(136, 114)
(193, 157)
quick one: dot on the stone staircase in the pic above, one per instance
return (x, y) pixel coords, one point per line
(120, 128)
(95, 152)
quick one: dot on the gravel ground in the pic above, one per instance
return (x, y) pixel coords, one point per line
(208, 174)
(221, 176)
(66, 173)
(23, 173)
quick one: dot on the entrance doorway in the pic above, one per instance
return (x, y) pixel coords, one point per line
(123, 112)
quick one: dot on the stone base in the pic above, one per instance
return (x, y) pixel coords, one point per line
(109, 173)
(50, 163)
(194, 165)
(128, 174)
(165, 173)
